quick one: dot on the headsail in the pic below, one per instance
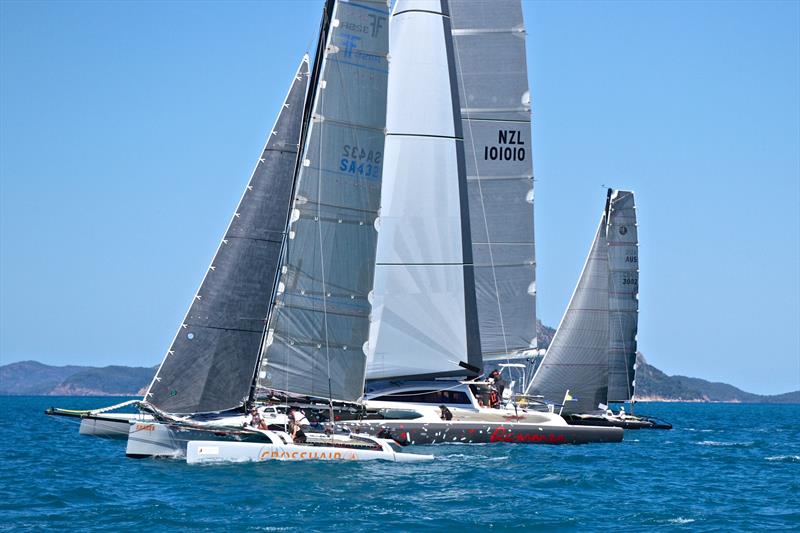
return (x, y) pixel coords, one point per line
(577, 359)
(209, 366)
(623, 264)
(424, 310)
(320, 319)
(492, 74)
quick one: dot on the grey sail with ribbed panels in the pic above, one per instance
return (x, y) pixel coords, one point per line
(424, 320)
(210, 365)
(314, 346)
(492, 71)
(577, 359)
(623, 295)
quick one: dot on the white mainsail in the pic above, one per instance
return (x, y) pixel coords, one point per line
(424, 317)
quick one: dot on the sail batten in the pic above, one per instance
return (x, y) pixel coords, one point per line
(209, 365)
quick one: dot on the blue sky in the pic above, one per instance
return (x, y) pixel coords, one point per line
(128, 130)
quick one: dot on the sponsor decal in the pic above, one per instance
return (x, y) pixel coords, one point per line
(145, 427)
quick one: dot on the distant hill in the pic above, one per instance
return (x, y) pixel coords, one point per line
(653, 384)
(30, 378)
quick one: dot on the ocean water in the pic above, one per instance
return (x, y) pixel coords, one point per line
(723, 468)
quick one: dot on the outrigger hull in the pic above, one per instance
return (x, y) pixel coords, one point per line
(412, 432)
(155, 439)
(110, 426)
(629, 422)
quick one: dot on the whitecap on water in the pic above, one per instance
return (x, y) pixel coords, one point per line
(784, 458)
(720, 443)
(681, 520)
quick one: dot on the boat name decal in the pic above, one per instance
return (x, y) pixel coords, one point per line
(298, 455)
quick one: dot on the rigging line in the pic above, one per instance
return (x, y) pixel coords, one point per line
(483, 204)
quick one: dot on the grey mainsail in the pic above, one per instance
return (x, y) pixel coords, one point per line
(577, 359)
(209, 366)
(424, 320)
(319, 323)
(623, 264)
(492, 74)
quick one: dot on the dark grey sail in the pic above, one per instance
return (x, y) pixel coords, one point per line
(623, 295)
(320, 319)
(577, 359)
(209, 366)
(492, 73)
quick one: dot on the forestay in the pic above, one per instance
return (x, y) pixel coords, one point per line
(623, 294)
(424, 320)
(210, 364)
(492, 74)
(577, 359)
(320, 320)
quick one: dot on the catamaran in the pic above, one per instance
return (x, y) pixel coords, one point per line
(455, 275)
(591, 361)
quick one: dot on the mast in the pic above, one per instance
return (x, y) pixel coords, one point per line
(492, 73)
(577, 359)
(209, 365)
(424, 319)
(320, 314)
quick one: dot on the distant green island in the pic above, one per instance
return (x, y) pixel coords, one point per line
(31, 378)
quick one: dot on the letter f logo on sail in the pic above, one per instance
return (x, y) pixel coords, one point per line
(350, 44)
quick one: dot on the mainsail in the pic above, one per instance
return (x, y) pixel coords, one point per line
(424, 320)
(594, 348)
(492, 74)
(209, 366)
(623, 293)
(319, 323)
